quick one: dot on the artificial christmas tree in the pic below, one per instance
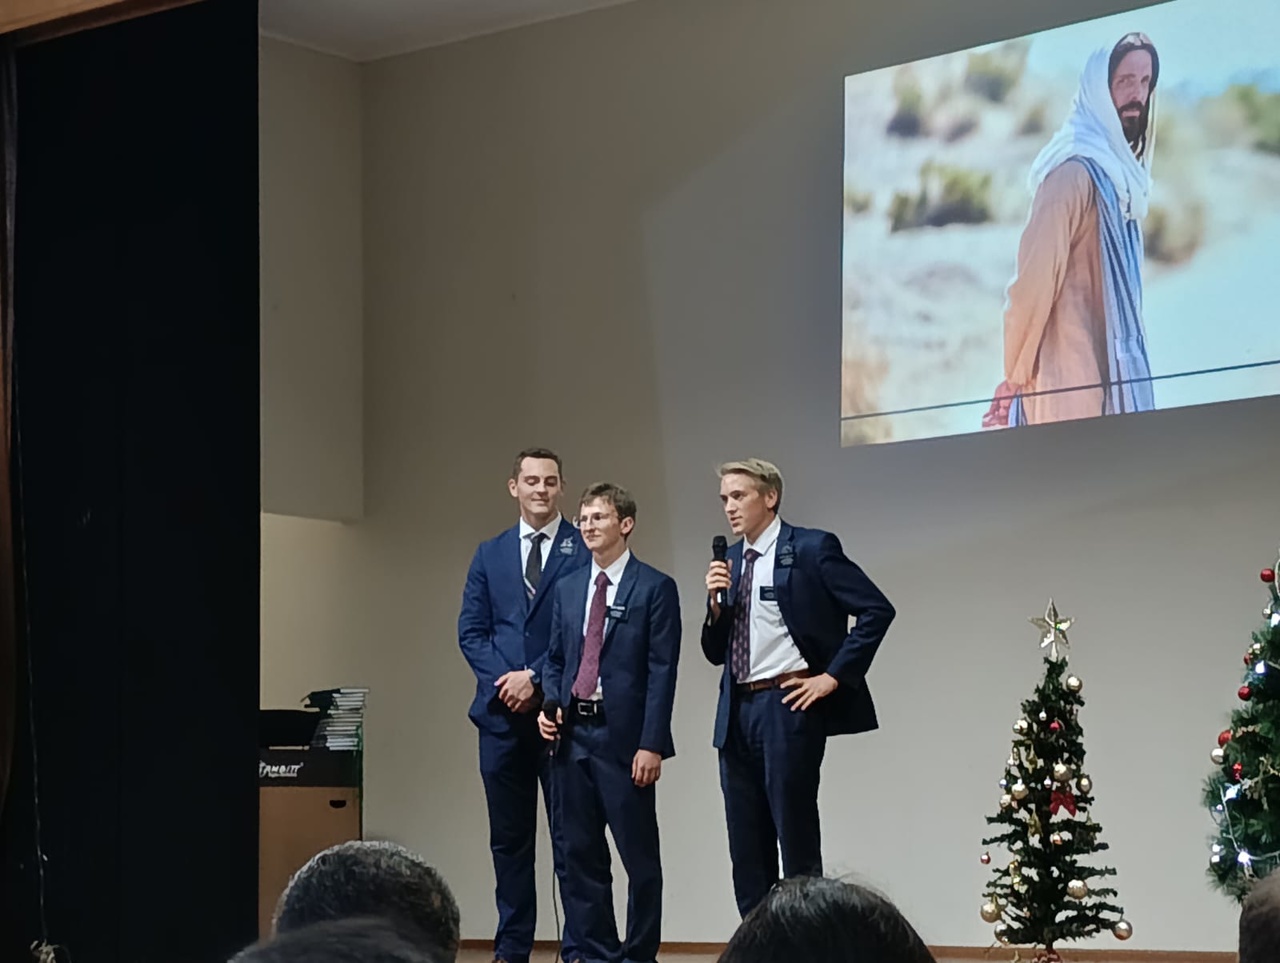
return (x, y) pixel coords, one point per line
(1243, 794)
(1046, 894)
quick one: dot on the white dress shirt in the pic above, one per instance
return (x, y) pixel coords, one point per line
(773, 651)
(614, 572)
(527, 532)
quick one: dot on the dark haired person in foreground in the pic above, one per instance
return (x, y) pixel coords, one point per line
(825, 921)
(374, 879)
(1260, 922)
(341, 941)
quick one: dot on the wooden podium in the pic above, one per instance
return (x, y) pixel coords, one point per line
(308, 800)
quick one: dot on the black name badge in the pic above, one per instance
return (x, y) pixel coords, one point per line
(618, 613)
(768, 593)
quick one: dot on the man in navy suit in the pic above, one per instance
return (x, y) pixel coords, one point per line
(503, 630)
(611, 674)
(778, 621)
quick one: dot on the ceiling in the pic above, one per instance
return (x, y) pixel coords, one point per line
(370, 29)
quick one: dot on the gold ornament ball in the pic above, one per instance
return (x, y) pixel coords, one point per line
(1217, 755)
(1085, 785)
(1006, 801)
(1077, 889)
(1022, 727)
(1020, 790)
(1056, 839)
(1074, 684)
(1015, 864)
(990, 912)
(1002, 932)
(1123, 930)
(1061, 772)
(1256, 648)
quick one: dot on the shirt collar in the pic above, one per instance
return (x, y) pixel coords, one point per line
(549, 530)
(767, 538)
(614, 571)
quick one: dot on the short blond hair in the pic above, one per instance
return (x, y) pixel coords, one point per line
(764, 473)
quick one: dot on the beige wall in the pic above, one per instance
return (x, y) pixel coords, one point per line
(312, 284)
(589, 234)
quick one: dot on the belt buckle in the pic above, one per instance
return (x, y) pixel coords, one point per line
(588, 708)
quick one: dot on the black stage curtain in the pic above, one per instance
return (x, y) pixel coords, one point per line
(130, 830)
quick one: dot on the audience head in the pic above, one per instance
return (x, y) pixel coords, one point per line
(358, 940)
(373, 879)
(1260, 922)
(825, 921)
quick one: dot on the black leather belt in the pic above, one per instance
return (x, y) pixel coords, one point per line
(587, 710)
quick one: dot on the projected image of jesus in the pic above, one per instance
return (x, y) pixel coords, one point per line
(1074, 340)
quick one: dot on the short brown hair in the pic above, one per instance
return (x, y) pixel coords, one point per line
(615, 495)
(1260, 922)
(545, 453)
(764, 473)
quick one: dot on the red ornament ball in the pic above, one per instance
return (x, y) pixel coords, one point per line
(1268, 575)
(1244, 693)
(1236, 770)
(1055, 726)
(1224, 737)
(1248, 659)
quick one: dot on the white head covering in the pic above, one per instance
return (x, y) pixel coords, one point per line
(1093, 130)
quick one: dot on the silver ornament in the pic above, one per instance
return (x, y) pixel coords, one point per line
(1044, 716)
(1056, 839)
(1217, 755)
(1006, 801)
(1002, 932)
(1123, 930)
(1022, 727)
(1074, 684)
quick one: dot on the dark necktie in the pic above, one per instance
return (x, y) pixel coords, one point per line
(533, 567)
(740, 640)
(584, 686)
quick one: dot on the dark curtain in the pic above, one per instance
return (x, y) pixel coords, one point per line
(130, 834)
(8, 593)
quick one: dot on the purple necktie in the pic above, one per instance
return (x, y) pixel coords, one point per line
(740, 640)
(584, 686)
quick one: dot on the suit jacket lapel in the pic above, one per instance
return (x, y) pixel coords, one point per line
(784, 555)
(552, 568)
(620, 597)
(573, 644)
(734, 556)
(512, 565)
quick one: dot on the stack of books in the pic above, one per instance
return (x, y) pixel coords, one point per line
(341, 725)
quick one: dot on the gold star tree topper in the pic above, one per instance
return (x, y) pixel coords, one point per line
(1053, 630)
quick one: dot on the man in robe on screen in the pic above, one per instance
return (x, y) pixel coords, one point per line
(1074, 342)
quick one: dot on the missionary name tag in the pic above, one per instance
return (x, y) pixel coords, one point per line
(768, 593)
(786, 555)
(618, 613)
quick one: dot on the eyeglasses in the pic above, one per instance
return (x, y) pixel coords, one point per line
(596, 519)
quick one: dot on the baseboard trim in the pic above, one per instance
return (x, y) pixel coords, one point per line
(985, 953)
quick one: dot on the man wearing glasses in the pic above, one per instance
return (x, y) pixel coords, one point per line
(503, 631)
(610, 682)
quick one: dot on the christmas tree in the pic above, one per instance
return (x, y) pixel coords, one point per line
(1046, 894)
(1244, 793)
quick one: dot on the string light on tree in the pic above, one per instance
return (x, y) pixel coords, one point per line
(1242, 794)
(1049, 893)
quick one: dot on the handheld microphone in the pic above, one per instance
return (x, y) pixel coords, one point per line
(719, 551)
(549, 710)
